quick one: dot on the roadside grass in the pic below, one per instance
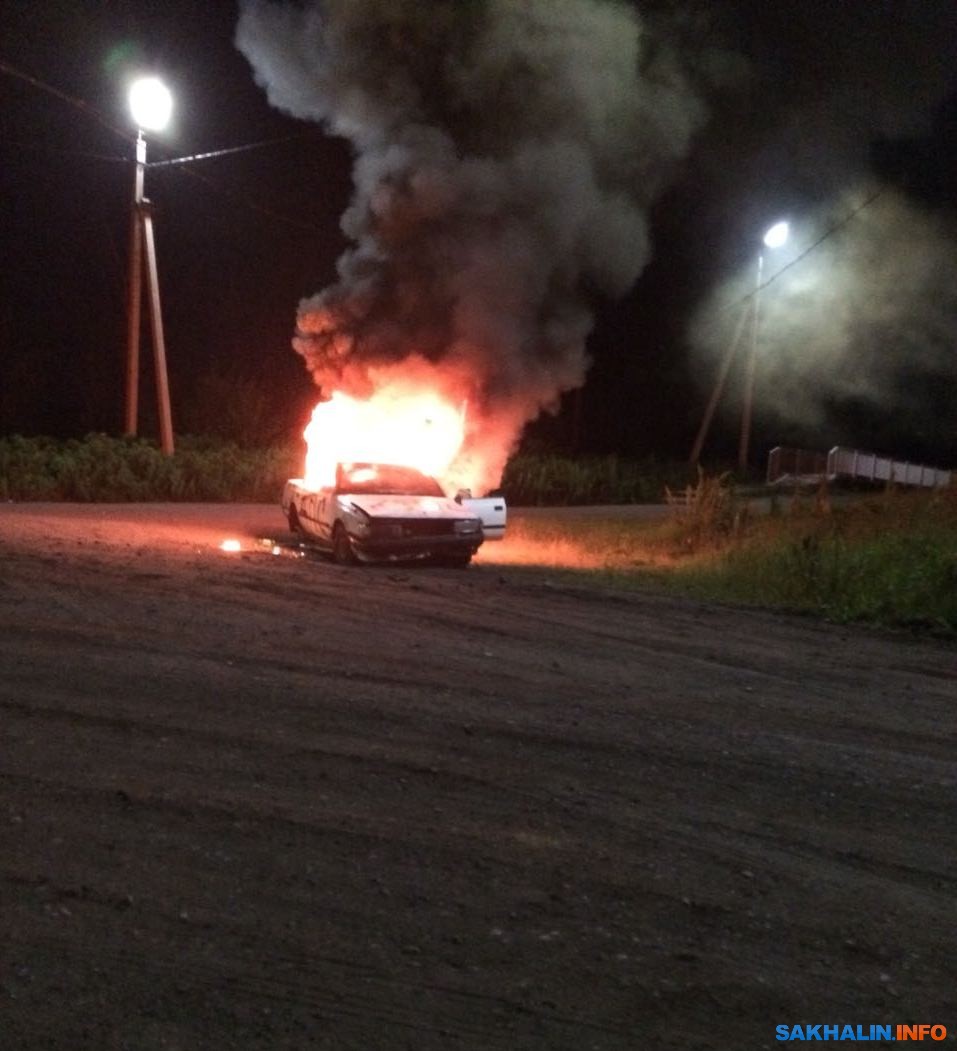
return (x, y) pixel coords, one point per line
(118, 470)
(888, 559)
(107, 469)
(536, 480)
(897, 579)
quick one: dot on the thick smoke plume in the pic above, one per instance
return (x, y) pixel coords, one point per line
(506, 153)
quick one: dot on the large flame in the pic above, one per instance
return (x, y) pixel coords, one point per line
(396, 424)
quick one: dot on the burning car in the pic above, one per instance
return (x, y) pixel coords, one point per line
(387, 512)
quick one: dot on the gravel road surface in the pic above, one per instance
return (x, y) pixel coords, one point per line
(263, 802)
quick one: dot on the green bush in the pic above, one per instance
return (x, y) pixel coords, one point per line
(886, 560)
(890, 560)
(118, 470)
(540, 480)
(114, 470)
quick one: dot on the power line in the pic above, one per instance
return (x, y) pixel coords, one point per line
(173, 161)
(233, 195)
(829, 232)
(90, 111)
(231, 149)
(80, 104)
(84, 154)
(248, 203)
(84, 107)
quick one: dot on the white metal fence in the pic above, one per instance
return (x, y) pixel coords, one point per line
(852, 463)
(805, 465)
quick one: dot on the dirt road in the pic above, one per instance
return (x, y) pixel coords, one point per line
(258, 802)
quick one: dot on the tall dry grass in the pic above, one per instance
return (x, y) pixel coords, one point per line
(885, 559)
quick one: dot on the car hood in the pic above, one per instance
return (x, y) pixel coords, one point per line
(385, 506)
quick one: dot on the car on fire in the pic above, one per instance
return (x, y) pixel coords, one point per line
(388, 513)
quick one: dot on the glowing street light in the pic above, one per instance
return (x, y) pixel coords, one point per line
(151, 105)
(775, 237)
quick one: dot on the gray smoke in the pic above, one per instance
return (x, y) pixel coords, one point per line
(868, 320)
(506, 153)
(869, 315)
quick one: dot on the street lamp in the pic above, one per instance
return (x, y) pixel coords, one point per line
(775, 237)
(151, 105)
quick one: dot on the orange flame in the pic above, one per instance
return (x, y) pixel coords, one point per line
(398, 424)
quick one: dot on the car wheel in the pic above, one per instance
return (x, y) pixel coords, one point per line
(341, 548)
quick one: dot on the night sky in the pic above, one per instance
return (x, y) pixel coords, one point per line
(812, 107)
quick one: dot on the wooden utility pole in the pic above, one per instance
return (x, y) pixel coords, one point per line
(718, 388)
(750, 369)
(143, 244)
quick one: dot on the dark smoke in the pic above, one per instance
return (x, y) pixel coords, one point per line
(506, 154)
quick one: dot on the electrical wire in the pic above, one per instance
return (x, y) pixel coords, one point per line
(179, 162)
(248, 203)
(90, 111)
(84, 154)
(213, 185)
(84, 107)
(231, 149)
(829, 232)
(80, 104)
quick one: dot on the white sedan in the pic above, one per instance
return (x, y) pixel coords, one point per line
(388, 513)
